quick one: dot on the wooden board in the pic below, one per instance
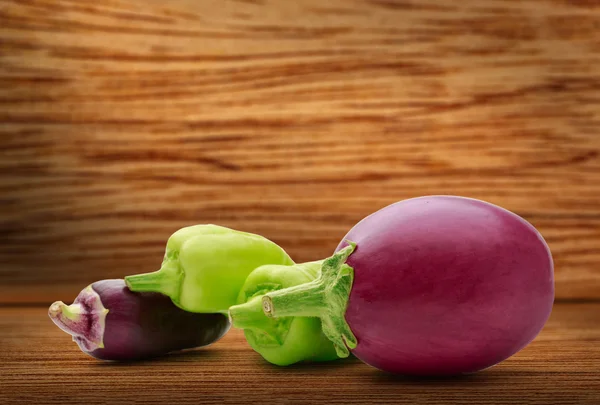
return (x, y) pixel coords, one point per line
(40, 364)
(123, 120)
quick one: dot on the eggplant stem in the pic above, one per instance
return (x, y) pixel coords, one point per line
(325, 298)
(250, 317)
(85, 323)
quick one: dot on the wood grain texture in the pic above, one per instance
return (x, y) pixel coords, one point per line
(123, 120)
(40, 364)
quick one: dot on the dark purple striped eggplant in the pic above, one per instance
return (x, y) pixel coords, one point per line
(110, 322)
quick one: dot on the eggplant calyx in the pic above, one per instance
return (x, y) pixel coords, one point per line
(325, 298)
(84, 319)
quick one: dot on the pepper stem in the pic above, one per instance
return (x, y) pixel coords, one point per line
(167, 281)
(326, 298)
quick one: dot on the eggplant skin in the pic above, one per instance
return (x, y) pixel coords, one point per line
(146, 325)
(445, 285)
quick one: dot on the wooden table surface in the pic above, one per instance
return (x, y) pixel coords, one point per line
(40, 364)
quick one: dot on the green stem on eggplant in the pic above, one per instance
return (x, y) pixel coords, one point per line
(325, 298)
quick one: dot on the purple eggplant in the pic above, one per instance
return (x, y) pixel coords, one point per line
(436, 285)
(110, 322)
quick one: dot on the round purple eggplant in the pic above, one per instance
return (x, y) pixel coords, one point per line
(110, 322)
(436, 285)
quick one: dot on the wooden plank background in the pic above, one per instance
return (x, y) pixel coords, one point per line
(123, 120)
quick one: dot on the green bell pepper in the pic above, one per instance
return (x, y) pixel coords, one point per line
(205, 266)
(285, 340)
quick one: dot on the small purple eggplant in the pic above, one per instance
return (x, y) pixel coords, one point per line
(110, 322)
